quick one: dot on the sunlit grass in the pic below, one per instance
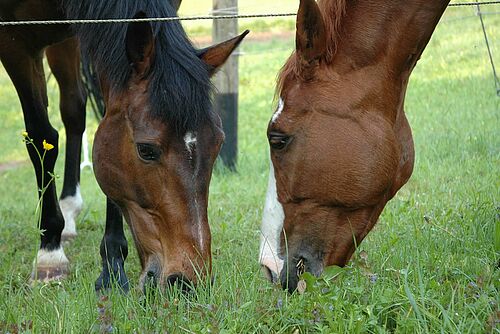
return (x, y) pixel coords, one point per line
(429, 265)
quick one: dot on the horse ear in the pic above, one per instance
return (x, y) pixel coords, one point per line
(310, 39)
(215, 56)
(176, 4)
(139, 44)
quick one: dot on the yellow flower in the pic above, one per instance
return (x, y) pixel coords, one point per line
(47, 146)
(24, 134)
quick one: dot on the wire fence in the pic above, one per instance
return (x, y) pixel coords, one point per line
(224, 16)
(231, 13)
(459, 4)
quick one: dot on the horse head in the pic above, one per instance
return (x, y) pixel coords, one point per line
(156, 146)
(341, 146)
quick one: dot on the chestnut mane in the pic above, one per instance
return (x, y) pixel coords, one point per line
(333, 13)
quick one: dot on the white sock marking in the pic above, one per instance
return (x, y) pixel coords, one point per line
(53, 258)
(71, 207)
(279, 110)
(272, 225)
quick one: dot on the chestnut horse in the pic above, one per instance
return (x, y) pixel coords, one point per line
(341, 146)
(155, 147)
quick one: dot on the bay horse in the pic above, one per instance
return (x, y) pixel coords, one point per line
(154, 149)
(340, 143)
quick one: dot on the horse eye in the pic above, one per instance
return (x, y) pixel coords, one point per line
(278, 141)
(148, 152)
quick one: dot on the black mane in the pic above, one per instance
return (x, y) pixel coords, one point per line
(179, 81)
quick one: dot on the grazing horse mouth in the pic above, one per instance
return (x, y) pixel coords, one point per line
(298, 265)
(154, 276)
(150, 280)
(288, 272)
(289, 278)
(169, 258)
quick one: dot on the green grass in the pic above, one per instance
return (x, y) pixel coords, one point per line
(429, 266)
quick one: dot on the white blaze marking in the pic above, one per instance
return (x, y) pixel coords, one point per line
(272, 225)
(53, 258)
(71, 207)
(190, 142)
(279, 110)
(198, 220)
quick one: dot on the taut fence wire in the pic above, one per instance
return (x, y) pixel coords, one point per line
(231, 13)
(190, 18)
(147, 19)
(488, 48)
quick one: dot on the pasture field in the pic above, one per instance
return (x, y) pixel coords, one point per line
(431, 264)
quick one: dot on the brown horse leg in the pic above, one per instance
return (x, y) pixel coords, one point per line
(64, 61)
(114, 251)
(26, 71)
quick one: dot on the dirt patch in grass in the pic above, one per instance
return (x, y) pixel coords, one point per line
(12, 165)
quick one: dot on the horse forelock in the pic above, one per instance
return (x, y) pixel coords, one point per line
(333, 12)
(179, 83)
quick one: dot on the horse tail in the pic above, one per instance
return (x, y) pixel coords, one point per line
(92, 88)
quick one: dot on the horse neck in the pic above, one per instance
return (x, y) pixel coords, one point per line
(379, 43)
(393, 32)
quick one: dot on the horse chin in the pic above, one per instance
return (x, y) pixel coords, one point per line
(271, 268)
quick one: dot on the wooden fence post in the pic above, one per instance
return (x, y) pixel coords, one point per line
(226, 81)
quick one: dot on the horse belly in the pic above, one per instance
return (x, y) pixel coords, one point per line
(32, 37)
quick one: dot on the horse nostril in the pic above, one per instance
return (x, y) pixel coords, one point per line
(180, 281)
(151, 277)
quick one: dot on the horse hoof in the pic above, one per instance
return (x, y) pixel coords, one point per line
(49, 274)
(103, 285)
(50, 265)
(107, 280)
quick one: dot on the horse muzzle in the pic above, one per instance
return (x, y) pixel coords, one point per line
(153, 278)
